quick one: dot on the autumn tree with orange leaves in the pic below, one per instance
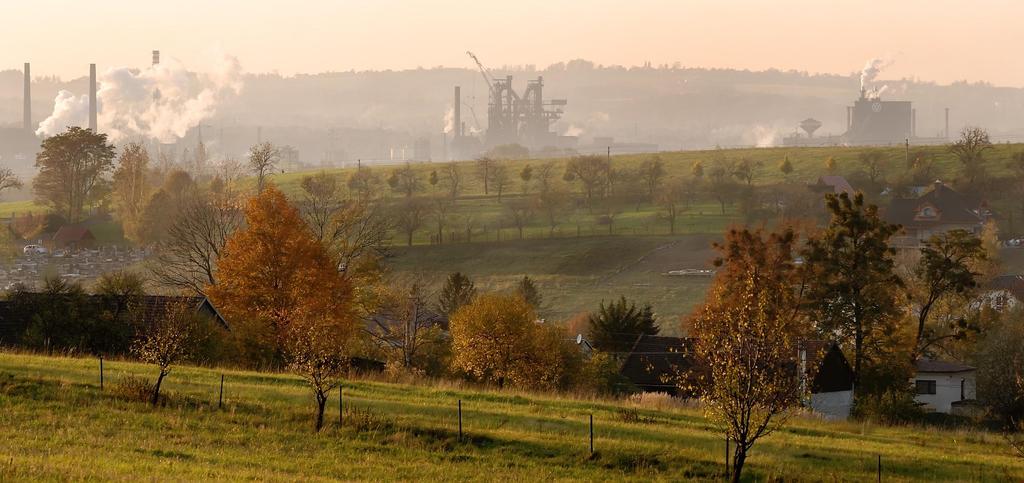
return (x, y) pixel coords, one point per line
(745, 341)
(497, 338)
(281, 289)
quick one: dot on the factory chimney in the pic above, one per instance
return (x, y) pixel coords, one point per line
(457, 122)
(913, 123)
(156, 58)
(947, 123)
(27, 99)
(92, 98)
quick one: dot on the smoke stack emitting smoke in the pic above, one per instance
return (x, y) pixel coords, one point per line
(869, 73)
(126, 105)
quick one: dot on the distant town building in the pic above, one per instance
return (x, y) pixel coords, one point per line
(938, 211)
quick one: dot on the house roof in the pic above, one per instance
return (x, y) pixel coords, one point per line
(655, 362)
(951, 206)
(149, 308)
(153, 307)
(838, 184)
(931, 365)
(72, 234)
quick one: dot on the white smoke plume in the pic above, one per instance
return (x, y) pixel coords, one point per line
(449, 120)
(161, 102)
(764, 136)
(573, 130)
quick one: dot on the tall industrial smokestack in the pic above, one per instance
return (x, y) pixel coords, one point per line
(156, 58)
(27, 99)
(457, 122)
(947, 123)
(913, 123)
(92, 98)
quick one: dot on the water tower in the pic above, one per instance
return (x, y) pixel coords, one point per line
(810, 125)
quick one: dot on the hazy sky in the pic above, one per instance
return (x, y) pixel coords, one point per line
(940, 40)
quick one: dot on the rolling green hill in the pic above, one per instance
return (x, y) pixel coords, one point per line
(56, 424)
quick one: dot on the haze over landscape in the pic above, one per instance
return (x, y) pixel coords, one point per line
(589, 240)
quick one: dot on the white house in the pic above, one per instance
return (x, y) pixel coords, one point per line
(939, 384)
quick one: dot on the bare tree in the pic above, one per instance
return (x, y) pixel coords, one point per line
(746, 170)
(350, 230)
(671, 198)
(186, 259)
(168, 340)
(483, 171)
(545, 176)
(519, 212)
(591, 172)
(320, 202)
(652, 171)
(315, 351)
(970, 150)
(405, 180)
(452, 179)
(552, 204)
(263, 160)
(441, 208)
(873, 161)
(499, 179)
(8, 180)
(403, 323)
(409, 217)
(364, 182)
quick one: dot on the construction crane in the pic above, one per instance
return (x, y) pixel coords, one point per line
(473, 112)
(483, 71)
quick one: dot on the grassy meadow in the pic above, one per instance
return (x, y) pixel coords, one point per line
(56, 424)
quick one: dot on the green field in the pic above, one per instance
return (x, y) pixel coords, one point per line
(574, 274)
(56, 424)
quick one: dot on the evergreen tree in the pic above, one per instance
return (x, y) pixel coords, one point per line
(851, 284)
(616, 326)
(458, 290)
(528, 290)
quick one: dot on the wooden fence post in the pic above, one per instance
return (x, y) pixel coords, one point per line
(727, 469)
(220, 398)
(591, 433)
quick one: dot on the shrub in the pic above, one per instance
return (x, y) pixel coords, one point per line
(134, 389)
(894, 406)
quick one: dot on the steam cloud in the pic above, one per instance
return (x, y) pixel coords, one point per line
(161, 102)
(449, 120)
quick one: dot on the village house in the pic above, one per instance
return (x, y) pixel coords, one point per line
(73, 237)
(941, 385)
(833, 184)
(656, 363)
(938, 211)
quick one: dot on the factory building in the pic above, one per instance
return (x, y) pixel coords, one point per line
(512, 118)
(19, 145)
(870, 120)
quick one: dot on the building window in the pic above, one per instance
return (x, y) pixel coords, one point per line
(925, 387)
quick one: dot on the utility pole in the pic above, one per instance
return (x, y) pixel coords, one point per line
(608, 157)
(409, 336)
(908, 152)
